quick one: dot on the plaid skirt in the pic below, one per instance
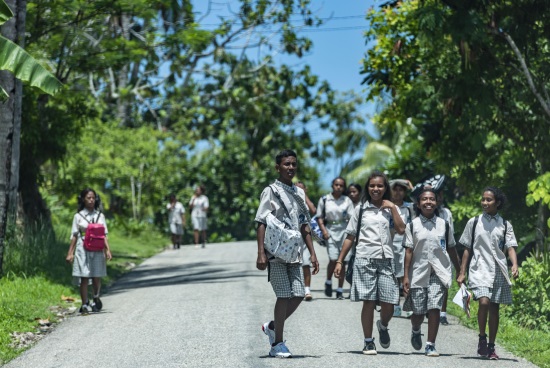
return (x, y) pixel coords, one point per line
(373, 279)
(421, 300)
(500, 293)
(287, 279)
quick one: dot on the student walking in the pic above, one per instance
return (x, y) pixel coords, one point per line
(306, 261)
(333, 213)
(354, 193)
(430, 249)
(487, 238)
(372, 226)
(286, 203)
(176, 220)
(199, 208)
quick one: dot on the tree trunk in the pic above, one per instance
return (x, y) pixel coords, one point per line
(10, 127)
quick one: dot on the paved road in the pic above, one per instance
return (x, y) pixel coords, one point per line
(204, 308)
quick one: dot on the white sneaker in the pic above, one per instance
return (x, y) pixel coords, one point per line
(280, 351)
(396, 311)
(269, 332)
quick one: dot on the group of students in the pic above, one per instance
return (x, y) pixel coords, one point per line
(393, 243)
(199, 205)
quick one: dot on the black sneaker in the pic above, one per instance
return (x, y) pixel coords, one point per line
(443, 321)
(384, 335)
(370, 348)
(328, 290)
(416, 340)
(97, 304)
(85, 309)
(339, 295)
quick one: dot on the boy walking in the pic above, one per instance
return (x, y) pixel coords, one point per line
(286, 202)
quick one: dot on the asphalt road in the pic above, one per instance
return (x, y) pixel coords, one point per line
(204, 308)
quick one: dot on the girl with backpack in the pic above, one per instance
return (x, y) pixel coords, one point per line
(371, 228)
(89, 249)
(430, 249)
(487, 238)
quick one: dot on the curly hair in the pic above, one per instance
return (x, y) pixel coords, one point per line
(499, 196)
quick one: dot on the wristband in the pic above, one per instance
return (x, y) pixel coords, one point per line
(342, 263)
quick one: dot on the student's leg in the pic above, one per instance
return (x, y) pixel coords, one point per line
(494, 317)
(196, 236)
(203, 237)
(386, 313)
(283, 309)
(174, 241)
(367, 317)
(307, 277)
(416, 321)
(84, 289)
(96, 284)
(482, 313)
(443, 313)
(433, 324)
(330, 269)
(342, 277)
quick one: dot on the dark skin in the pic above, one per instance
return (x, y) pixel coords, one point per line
(376, 190)
(312, 210)
(285, 307)
(490, 206)
(427, 204)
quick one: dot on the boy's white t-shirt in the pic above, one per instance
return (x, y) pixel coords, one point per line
(200, 205)
(174, 214)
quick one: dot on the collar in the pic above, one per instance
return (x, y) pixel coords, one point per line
(425, 219)
(368, 205)
(284, 186)
(489, 217)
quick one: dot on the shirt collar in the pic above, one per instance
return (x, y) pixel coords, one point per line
(425, 219)
(489, 217)
(285, 187)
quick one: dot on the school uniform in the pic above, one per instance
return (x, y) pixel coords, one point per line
(488, 271)
(87, 264)
(287, 279)
(198, 213)
(337, 213)
(373, 276)
(174, 218)
(430, 273)
(407, 214)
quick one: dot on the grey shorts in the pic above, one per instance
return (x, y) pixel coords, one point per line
(176, 229)
(421, 300)
(287, 279)
(199, 223)
(373, 279)
(500, 293)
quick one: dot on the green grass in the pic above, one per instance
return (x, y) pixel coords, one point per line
(31, 285)
(532, 345)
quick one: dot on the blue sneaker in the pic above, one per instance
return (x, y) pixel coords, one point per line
(269, 332)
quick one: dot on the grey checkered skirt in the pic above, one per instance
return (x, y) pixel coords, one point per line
(500, 293)
(373, 279)
(87, 264)
(287, 279)
(421, 300)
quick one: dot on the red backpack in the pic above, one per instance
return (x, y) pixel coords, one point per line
(94, 238)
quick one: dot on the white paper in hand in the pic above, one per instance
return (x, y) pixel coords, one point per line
(462, 299)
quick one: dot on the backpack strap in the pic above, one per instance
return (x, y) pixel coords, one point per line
(324, 208)
(471, 255)
(409, 220)
(447, 226)
(505, 231)
(356, 240)
(278, 195)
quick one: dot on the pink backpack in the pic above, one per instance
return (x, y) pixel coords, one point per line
(94, 238)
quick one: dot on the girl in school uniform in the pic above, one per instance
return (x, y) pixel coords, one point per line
(354, 193)
(333, 213)
(430, 249)
(373, 276)
(486, 239)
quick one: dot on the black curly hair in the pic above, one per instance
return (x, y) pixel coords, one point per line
(499, 196)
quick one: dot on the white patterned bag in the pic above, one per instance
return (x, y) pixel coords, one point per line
(280, 241)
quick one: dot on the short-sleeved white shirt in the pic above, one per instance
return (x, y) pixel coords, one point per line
(83, 218)
(336, 210)
(200, 205)
(429, 246)
(407, 214)
(489, 248)
(174, 214)
(269, 203)
(376, 233)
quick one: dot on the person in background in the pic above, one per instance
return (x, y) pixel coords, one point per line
(176, 220)
(399, 188)
(354, 193)
(306, 259)
(199, 207)
(88, 265)
(333, 213)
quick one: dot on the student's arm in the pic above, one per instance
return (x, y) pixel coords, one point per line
(261, 261)
(70, 253)
(398, 224)
(310, 206)
(306, 235)
(348, 243)
(107, 250)
(513, 258)
(454, 259)
(408, 259)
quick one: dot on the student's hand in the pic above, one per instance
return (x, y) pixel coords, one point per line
(326, 235)
(315, 264)
(387, 204)
(406, 285)
(70, 258)
(338, 270)
(460, 279)
(515, 271)
(261, 261)
(108, 255)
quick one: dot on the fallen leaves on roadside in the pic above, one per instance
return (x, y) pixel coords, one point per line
(24, 339)
(68, 299)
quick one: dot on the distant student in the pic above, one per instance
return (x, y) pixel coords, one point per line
(486, 239)
(199, 206)
(373, 276)
(333, 213)
(399, 188)
(176, 220)
(306, 262)
(286, 202)
(354, 193)
(430, 249)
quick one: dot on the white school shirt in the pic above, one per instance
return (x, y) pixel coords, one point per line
(407, 215)
(488, 242)
(446, 215)
(200, 205)
(82, 219)
(174, 214)
(269, 203)
(376, 233)
(336, 210)
(429, 246)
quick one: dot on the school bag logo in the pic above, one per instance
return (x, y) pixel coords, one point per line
(94, 237)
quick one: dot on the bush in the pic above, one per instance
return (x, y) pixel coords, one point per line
(531, 292)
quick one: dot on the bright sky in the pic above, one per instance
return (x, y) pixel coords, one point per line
(338, 47)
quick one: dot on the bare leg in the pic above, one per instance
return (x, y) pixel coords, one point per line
(386, 313)
(342, 277)
(283, 309)
(84, 289)
(416, 321)
(330, 269)
(307, 275)
(174, 240)
(494, 318)
(367, 317)
(203, 237)
(196, 236)
(433, 324)
(482, 313)
(96, 284)
(444, 306)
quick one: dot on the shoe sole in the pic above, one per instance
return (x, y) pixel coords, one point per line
(308, 298)
(370, 352)
(280, 356)
(432, 355)
(384, 345)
